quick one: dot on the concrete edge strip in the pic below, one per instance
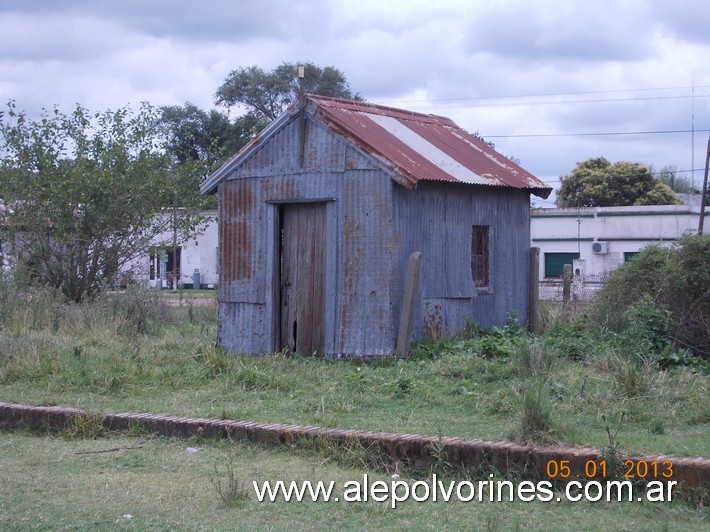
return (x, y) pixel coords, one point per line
(411, 449)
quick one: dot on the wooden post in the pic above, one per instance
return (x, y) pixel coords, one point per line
(534, 291)
(567, 285)
(406, 319)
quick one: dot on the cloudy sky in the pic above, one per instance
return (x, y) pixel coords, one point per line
(549, 82)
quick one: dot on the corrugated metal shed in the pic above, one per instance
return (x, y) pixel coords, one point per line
(319, 214)
(413, 146)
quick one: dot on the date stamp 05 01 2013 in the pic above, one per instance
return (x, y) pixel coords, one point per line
(594, 469)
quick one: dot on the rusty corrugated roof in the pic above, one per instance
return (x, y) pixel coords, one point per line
(414, 146)
(423, 147)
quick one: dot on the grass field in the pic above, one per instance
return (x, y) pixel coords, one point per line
(133, 352)
(47, 484)
(173, 368)
(188, 293)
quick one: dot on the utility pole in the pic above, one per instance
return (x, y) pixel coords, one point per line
(705, 190)
(175, 244)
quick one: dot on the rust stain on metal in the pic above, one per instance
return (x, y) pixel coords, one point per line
(423, 147)
(237, 242)
(413, 146)
(241, 254)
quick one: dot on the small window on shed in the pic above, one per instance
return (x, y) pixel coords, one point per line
(480, 256)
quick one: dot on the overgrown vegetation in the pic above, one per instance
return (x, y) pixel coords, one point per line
(52, 483)
(130, 351)
(661, 300)
(79, 194)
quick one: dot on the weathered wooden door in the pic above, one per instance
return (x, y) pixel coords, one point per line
(302, 279)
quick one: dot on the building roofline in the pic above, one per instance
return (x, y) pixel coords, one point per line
(341, 116)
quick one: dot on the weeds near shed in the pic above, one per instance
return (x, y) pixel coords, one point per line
(214, 361)
(483, 386)
(84, 427)
(229, 488)
(403, 385)
(612, 452)
(536, 421)
(533, 358)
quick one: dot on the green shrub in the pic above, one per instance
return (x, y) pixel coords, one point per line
(649, 323)
(427, 350)
(677, 281)
(571, 339)
(495, 347)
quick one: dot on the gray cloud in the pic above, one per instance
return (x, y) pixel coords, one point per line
(455, 58)
(538, 32)
(208, 20)
(687, 20)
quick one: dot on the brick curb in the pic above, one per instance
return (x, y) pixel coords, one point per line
(411, 449)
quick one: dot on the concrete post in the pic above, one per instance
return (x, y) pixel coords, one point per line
(534, 291)
(567, 285)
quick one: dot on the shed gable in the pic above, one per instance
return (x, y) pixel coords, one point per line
(285, 153)
(409, 147)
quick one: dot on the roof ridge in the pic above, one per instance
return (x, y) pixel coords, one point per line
(364, 106)
(411, 146)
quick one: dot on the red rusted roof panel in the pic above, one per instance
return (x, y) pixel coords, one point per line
(423, 147)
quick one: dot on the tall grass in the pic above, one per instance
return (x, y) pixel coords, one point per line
(114, 340)
(129, 351)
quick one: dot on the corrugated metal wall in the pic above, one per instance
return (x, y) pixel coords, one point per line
(372, 226)
(359, 257)
(437, 219)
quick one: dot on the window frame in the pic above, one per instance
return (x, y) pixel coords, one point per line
(481, 256)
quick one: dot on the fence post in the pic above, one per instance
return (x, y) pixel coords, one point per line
(534, 291)
(406, 320)
(567, 285)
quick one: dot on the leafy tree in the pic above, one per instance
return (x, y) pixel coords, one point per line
(677, 181)
(81, 192)
(194, 134)
(599, 183)
(197, 142)
(267, 94)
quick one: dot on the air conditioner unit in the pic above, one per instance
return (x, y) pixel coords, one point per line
(600, 248)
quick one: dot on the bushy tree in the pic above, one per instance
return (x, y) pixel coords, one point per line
(267, 94)
(81, 192)
(598, 183)
(195, 134)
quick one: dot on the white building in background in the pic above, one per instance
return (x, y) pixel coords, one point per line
(596, 240)
(196, 258)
